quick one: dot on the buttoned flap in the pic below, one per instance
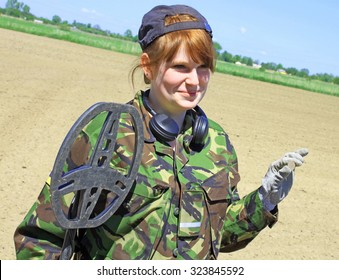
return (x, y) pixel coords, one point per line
(219, 194)
(217, 187)
(144, 192)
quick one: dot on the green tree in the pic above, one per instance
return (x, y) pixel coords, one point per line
(97, 26)
(217, 47)
(323, 77)
(13, 12)
(11, 4)
(303, 73)
(26, 9)
(128, 33)
(226, 56)
(292, 71)
(237, 58)
(280, 66)
(56, 19)
(270, 66)
(20, 6)
(247, 60)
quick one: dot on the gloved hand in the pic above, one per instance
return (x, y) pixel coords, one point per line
(278, 180)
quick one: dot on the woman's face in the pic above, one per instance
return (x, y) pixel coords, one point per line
(178, 85)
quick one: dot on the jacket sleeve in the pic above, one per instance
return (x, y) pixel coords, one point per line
(38, 236)
(245, 218)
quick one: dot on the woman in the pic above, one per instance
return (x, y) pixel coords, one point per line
(184, 203)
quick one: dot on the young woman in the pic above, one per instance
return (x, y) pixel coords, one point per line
(184, 202)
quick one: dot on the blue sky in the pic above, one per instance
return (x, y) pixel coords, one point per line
(295, 33)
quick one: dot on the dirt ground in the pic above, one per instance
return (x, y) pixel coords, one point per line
(46, 84)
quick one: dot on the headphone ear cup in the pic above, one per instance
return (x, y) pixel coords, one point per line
(200, 131)
(164, 128)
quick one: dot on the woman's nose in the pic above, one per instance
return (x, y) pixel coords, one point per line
(193, 77)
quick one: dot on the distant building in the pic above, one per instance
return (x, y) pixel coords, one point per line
(282, 71)
(38, 21)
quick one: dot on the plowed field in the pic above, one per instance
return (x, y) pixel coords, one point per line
(45, 84)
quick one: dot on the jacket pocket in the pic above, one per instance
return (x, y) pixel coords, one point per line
(131, 233)
(218, 192)
(191, 213)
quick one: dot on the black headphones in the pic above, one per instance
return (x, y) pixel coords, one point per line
(165, 129)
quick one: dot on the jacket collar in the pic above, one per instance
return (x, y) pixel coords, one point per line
(146, 117)
(182, 150)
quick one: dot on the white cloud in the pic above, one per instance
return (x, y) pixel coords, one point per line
(90, 12)
(243, 30)
(263, 52)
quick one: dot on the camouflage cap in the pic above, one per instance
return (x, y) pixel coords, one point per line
(153, 23)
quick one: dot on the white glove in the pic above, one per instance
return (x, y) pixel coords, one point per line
(278, 180)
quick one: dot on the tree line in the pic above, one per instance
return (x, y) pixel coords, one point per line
(21, 10)
(272, 66)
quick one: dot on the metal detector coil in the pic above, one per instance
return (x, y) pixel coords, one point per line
(88, 181)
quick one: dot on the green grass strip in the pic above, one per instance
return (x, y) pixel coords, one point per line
(123, 46)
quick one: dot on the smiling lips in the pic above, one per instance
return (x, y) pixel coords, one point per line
(190, 93)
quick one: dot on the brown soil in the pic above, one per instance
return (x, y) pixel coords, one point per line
(46, 84)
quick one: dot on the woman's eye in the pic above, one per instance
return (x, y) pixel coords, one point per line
(179, 66)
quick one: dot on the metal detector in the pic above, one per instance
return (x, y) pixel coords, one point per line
(87, 182)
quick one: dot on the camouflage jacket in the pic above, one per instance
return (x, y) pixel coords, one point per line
(184, 205)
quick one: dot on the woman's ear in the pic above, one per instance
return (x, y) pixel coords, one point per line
(145, 64)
